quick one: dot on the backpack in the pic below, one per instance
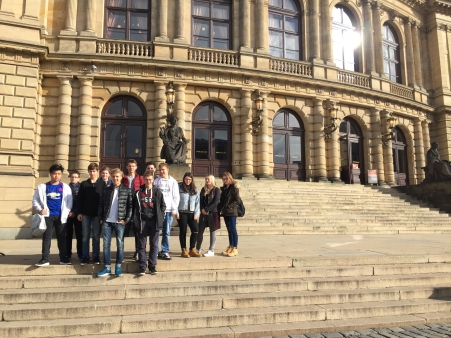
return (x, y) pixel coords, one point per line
(241, 209)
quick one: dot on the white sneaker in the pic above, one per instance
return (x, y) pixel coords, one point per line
(209, 253)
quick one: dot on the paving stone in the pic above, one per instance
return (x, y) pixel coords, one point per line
(332, 335)
(297, 336)
(365, 332)
(418, 333)
(435, 334)
(349, 333)
(376, 335)
(281, 336)
(314, 335)
(396, 329)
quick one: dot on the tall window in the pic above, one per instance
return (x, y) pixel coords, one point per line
(127, 19)
(391, 53)
(284, 29)
(345, 39)
(211, 23)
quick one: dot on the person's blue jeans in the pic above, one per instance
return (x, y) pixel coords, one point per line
(107, 228)
(88, 223)
(167, 223)
(230, 222)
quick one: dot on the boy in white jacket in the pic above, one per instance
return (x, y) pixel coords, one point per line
(53, 200)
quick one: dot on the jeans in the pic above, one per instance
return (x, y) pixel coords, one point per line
(149, 229)
(74, 223)
(86, 223)
(230, 222)
(184, 220)
(107, 228)
(54, 222)
(167, 223)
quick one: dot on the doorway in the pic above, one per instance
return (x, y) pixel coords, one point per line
(351, 152)
(400, 157)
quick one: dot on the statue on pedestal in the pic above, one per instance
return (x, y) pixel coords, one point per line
(436, 169)
(174, 142)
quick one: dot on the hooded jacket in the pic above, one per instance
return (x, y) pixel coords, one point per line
(159, 208)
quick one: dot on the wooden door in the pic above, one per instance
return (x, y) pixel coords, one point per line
(400, 167)
(351, 152)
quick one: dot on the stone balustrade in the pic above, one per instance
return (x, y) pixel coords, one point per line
(401, 90)
(125, 48)
(354, 78)
(291, 67)
(216, 57)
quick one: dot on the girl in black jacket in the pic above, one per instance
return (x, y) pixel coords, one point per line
(230, 198)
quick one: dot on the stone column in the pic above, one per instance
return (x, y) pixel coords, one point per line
(180, 22)
(327, 32)
(376, 144)
(71, 16)
(179, 104)
(417, 55)
(162, 34)
(64, 112)
(90, 17)
(261, 30)
(333, 155)
(314, 30)
(84, 124)
(426, 137)
(409, 52)
(377, 27)
(247, 155)
(419, 149)
(368, 37)
(7, 7)
(318, 141)
(263, 141)
(425, 65)
(388, 152)
(159, 121)
(38, 128)
(245, 26)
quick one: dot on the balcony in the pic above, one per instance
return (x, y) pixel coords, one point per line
(124, 48)
(401, 90)
(354, 78)
(226, 58)
(291, 67)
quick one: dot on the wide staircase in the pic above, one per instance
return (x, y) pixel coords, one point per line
(248, 296)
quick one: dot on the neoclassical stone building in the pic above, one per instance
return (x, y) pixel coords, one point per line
(85, 80)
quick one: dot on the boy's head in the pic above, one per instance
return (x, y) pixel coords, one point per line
(56, 172)
(93, 171)
(132, 165)
(74, 176)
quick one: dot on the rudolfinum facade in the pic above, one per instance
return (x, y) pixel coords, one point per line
(305, 90)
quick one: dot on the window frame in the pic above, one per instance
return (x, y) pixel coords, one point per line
(127, 11)
(395, 45)
(343, 28)
(211, 21)
(290, 14)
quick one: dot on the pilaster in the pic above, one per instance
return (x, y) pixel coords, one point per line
(84, 123)
(245, 26)
(368, 37)
(180, 22)
(378, 55)
(388, 152)
(318, 141)
(417, 55)
(247, 155)
(90, 18)
(426, 136)
(7, 7)
(263, 141)
(160, 120)
(71, 18)
(31, 9)
(326, 33)
(162, 34)
(376, 143)
(410, 63)
(179, 104)
(314, 26)
(419, 150)
(64, 112)
(261, 26)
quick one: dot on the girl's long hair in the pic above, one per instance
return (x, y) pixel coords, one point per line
(213, 184)
(191, 189)
(231, 180)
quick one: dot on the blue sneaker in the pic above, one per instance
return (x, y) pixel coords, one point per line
(104, 273)
(118, 271)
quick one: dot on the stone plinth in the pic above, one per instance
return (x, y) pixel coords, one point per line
(437, 194)
(178, 170)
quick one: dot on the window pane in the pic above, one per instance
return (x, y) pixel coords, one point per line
(277, 52)
(385, 51)
(114, 33)
(354, 130)
(138, 35)
(275, 3)
(279, 120)
(201, 9)
(401, 160)
(201, 144)
(349, 66)
(289, 4)
(221, 144)
(201, 28)
(117, 3)
(275, 21)
(139, 4)
(220, 30)
(279, 148)
(112, 140)
(355, 150)
(219, 115)
(347, 20)
(275, 39)
(392, 68)
(292, 24)
(134, 141)
(336, 15)
(295, 149)
(344, 152)
(293, 122)
(201, 42)
(386, 67)
(138, 20)
(221, 12)
(343, 127)
(202, 114)
(116, 19)
(292, 42)
(134, 110)
(115, 109)
(221, 44)
(292, 55)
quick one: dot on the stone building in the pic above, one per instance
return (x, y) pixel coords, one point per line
(84, 81)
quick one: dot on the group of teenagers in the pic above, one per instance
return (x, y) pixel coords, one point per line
(111, 201)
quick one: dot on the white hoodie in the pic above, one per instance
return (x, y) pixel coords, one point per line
(170, 189)
(39, 201)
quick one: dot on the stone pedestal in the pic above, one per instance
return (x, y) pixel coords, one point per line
(178, 170)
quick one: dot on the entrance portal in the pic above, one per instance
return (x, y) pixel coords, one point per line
(400, 157)
(351, 152)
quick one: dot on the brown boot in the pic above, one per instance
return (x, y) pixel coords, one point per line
(194, 253)
(185, 253)
(225, 253)
(233, 252)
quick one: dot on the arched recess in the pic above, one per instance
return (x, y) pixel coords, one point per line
(351, 152)
(400, 163)
(212, 139)
(288, 146)
(123, 133)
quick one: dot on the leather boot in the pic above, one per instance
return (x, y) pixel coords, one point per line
(233, 252)
(194, 253)
(227, 250)
(185, 253)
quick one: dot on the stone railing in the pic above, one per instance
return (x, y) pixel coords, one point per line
(291, 67)
(401, 90)
(216, 57)
(125, 48)
(353, 78)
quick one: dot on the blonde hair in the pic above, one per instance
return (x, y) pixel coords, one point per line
(213, 184)
(231, 180)
(116, 171)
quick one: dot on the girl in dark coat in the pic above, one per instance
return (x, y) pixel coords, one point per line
(230, 198)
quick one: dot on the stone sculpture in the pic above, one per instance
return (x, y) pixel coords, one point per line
(174, 142)
(436, 169)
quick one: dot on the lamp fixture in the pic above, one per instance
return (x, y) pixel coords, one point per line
(170, 94)
(391, 126)
(330, 128)
(257, 121)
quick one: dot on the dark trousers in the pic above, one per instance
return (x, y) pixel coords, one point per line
(130, 226)
(184, 220)
(74, 224)
(60, 229)
(149, 229)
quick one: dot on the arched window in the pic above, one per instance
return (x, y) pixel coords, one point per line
(211, 23)
(391, 53)
(345, 38)
(127, 19)
(284, 29)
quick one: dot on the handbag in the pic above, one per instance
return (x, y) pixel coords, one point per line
(216, 221)
(37, 223)
(241, 210)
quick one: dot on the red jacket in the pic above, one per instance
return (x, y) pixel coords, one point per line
(137, 182)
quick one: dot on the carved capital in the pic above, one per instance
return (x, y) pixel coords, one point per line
(377, 5)
(393, 15)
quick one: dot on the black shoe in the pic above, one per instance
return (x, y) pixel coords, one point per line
(142, 272)
(160, 253)
(152, 270)
(65, 261)
(42, 262)
(84, 261)
(96, 261)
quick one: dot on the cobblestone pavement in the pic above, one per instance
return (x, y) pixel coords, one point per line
(427, 330)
